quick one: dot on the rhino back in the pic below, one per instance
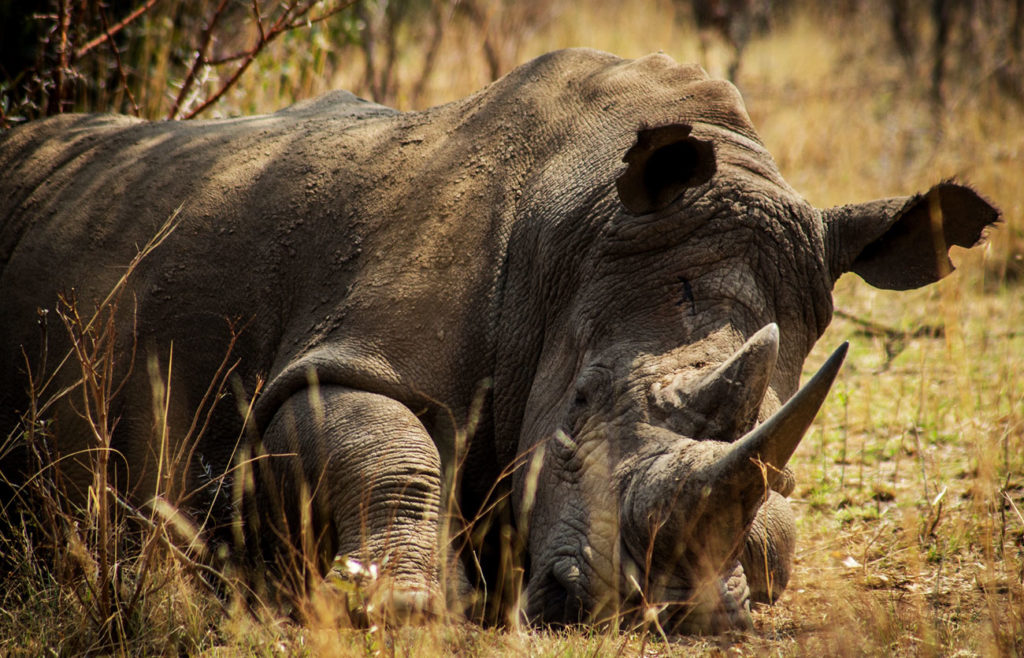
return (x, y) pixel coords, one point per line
(335, 236)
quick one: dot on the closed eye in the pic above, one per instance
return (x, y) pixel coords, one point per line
(592, 384)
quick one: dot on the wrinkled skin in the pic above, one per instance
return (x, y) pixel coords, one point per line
(602, 246)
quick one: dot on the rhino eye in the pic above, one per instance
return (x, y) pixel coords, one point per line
(591, 384)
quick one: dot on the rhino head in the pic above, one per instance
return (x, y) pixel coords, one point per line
(679, 283)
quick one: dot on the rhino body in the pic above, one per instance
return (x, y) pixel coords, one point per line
(599, 250)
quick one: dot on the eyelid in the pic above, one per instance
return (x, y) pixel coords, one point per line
(592, 380)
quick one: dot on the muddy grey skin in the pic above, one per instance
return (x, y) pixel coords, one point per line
(604, 246)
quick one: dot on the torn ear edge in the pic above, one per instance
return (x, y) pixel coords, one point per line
(664, 161)
(903, 242)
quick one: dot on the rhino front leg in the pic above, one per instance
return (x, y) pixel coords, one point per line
(354, 473)
(767, 557)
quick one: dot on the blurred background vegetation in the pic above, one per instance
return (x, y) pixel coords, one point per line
(911, 482)
(137, 56)
(919, 70)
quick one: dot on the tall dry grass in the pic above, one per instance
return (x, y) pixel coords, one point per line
(910, 485)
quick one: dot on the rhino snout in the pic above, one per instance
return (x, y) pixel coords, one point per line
(667, 526)
(689, 515)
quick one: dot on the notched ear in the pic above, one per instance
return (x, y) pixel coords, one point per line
(903, 243)
(661, 165)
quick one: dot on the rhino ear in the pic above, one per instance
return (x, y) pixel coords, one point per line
(903, 242)
(661, 165)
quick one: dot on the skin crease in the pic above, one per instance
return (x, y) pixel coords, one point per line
(587, 241)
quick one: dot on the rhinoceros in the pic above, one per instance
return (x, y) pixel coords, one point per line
(587, 283)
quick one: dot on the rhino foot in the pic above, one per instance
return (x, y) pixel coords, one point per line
(356, 473)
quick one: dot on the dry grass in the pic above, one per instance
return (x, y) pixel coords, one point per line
(910, 485)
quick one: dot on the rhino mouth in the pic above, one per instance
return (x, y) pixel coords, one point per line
(558, 597)
(561, 595)
(549, 602)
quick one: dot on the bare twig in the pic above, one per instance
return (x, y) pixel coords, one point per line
(117, 60)
(200, 59)
(213, 98)
(307, 22)
(894, 341)
(259, 19)
(55, 102)
(158, 239)
(227, 59)
(293, 17)
(108, 34)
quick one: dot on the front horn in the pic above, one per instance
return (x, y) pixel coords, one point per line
(774, 441)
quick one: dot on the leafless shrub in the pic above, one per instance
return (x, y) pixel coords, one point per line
(83, 53)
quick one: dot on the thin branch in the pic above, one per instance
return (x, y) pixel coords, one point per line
(259, 20)
(117, 59)
(323, 17)
(227, 59)
(55, 104)
(289, 20)
(278, 27)
(224, 87)
(290, 7)
(108, 35)
(200, 59)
